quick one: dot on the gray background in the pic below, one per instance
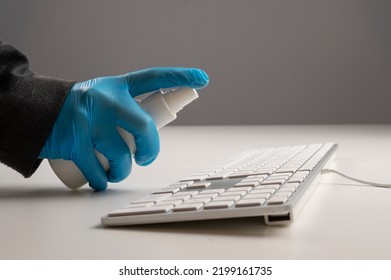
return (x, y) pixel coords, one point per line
(270, 62)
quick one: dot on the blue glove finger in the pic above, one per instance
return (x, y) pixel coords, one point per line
(131, 117)
(92, 169)
(86, 160)
(152, 79)
(114, 148)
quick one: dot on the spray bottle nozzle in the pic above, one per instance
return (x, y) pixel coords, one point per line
(179, 98)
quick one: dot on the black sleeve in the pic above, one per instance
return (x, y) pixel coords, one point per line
(29, 105)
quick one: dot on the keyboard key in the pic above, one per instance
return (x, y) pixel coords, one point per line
(171, 190)
(286, 188)
(218, 191)
(257, 195)
(277, 200)
(238, 193)
(268, 191)
(271, 186)
(273, 181)
(297, 179)
(194, 178)
(172, 202)
(177, 197)
(254, 179)
(263, 172)
(199, 200)
(302, 174)
(206, 195)
(180, 185)
(151, 198)
(239, 189)
(133, 205)
(184, 193)
(284, 193)
(188, 207)
(241, 174)
(260, 177)
(308, 167)
(219, 204)
(282, 178)
(199, 185)
(140, 211)
(286, 169)
(228, 197)
(219, 176)
(248, 168)
(250, 202)
(247, 184)
(293, 185)
(282, 172)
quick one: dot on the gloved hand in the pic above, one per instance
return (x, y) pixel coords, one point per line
(93, 109)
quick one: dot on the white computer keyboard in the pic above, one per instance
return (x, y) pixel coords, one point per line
(273, 183)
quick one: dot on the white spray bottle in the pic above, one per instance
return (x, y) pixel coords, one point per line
(161, 106)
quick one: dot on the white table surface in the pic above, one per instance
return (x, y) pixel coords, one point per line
(42, 219)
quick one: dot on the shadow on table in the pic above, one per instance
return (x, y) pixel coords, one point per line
(42, 192)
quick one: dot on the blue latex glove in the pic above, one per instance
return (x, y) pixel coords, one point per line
(93, 109)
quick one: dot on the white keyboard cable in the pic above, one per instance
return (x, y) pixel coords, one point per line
(355, 179)
(368, 172)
